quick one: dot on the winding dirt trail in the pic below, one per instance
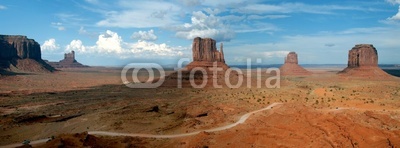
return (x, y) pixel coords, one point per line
(240, 121)
(105, 133)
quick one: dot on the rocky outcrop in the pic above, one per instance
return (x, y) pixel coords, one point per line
(291, 67)
(68, 62)
(19, 53)
(363, 62)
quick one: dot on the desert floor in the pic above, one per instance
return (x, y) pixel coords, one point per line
(321, 110)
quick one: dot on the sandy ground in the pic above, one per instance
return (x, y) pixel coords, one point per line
(321, 110)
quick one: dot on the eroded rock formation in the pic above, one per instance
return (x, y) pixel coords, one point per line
(205, 55)
(363, 55)
(19, 47)
(206, 50)
(291, 58)
(18, 53)
(68, 62)
(291, 66)
(363, 62)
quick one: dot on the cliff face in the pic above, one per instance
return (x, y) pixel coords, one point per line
(19, 53)
(19, 47)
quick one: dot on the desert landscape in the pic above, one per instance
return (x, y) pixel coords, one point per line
(317, 107)
(199, 73)
(322, 110)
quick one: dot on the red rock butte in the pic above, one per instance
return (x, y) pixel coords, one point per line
(205, 53)
(291, 67)
(363, 62)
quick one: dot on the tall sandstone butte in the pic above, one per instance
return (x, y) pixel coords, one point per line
(205, 53)
(18, 53)
(291, 67)
(363, 62)
(363, 55)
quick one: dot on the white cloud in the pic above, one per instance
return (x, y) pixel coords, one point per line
(144, 35)
(395, 17)
(50, 45)
(2, 7)
(142, 14)
(279, 54)
(111, 44)
(150, 48)
(203, 25)
(76, 45)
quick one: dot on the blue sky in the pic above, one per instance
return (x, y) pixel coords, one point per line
(111, 33)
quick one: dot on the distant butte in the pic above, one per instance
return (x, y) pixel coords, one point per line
(291, 67)
(363, 62)
(69, 61)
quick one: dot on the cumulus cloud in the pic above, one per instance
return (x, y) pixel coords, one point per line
(75, 45)
(144, 35)
(203, 25)
(50, 45)
(58, 25)
(111, 44)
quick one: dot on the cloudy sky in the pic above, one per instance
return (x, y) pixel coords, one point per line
(112, 33)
